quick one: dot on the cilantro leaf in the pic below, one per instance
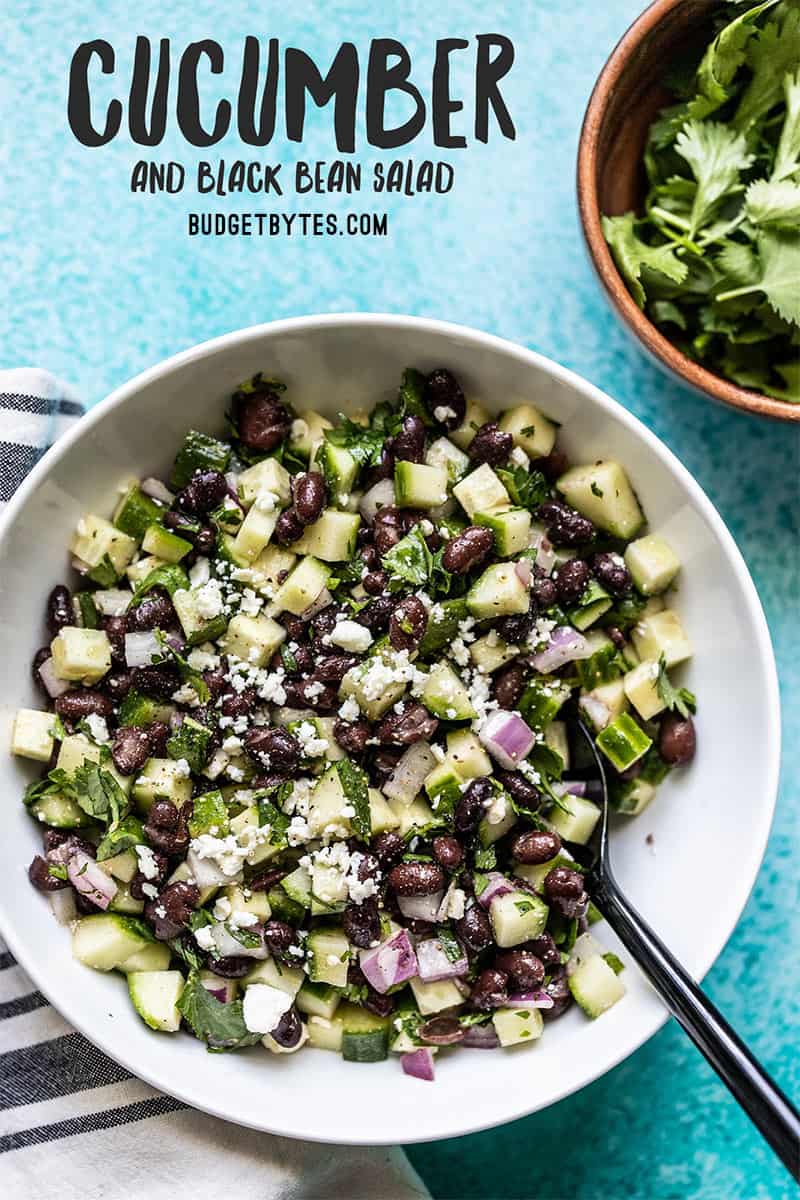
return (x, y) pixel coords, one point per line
(486, 858)
(188, 674)
(450, 944)
(409, 561)
(716, 155)
(631, 254)
(790, 373)
(721, 61)
(787, 156)
(96, 791)
(355, 785)
(123, 836)
(364, 444)
(679, 700)
(771, 54)
(775, 203)
(779, 279)
(528, 489)
(221, 1026)
(411, 396)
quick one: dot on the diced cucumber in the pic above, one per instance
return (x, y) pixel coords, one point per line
(124, 902)
(445, 696)
(490, 652)
(435, 997)
(602, 492)
(86, 610)
(32, 734)
(169, 576)
(511, 529)
(155, 996)
(273, 564)
(498, 592)
(325, 1033)
(490, 832)
(196, 627)
(328, 890)
(106, 940)
(254, 533)
(303, 586)
(443, 787)
(475, 415)
(443, 622)
(332, 537)
(653, 564)
(182, 874)
(382, 818)
(416, 815)
(517, 917)
(595, 986)
(135, 512)
(467, 755)
(634, 797)
(97, 541)
(253, 639)
(266, 476)
(536, 873)
(444, 453)
(575, 821)
(308, 432)
(555, 736)
(297, 885)
(256, 903)
(121, 866)
(264, 848)
(60, 812)
(662, 635)
(641, 688)
(165, 544)
(209, 812)
(76, 749)
(326, 803)
(623, 742)
(137, 709)
(81, 655)
(318, 999)
(329, 955)
(365, 1037)
(514, 1025)
(481, 492)
(530, 429)
(603, 703)
(154, 957)
(339, 469)
(355, 683)
(190, 741)
(138, 571)
(160, 779)
(417, 485)
(275, 974)
(593, 603)
(199, 452)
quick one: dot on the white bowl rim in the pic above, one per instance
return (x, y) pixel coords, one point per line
(516, 1106)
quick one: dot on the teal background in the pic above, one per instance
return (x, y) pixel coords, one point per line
(100, 284)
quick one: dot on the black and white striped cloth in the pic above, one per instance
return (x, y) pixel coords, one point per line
(75, 1124)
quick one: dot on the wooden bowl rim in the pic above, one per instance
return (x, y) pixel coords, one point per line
(589, 208)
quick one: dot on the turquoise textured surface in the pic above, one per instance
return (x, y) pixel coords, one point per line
(100, 284)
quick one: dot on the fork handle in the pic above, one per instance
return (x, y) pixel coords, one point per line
(763, 1101)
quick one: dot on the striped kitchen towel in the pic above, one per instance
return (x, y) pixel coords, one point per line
(73, 1123)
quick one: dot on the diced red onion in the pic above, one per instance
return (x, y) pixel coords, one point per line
(322, 601)
(141, 649)
(228, 946)
(575, 787)
(176, 720)
(523, 571)
(112, 602)
(223, 989)
(394, 961)
(433, 963)
(420, 908)
(565, 645)
(481, 1037)
(380, 495)
(54, 686)
(529, 1000)
(586, 946)
(507, 738)
(91, 880)
(597, 712)
(232, 480)
(498, 885)
(418, 1064)
(156, 490)
(545, 554)
(409, 774)
(63, 905)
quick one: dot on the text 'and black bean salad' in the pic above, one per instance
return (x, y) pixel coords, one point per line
(307, 773)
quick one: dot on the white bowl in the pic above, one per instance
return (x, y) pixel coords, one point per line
(709, 825)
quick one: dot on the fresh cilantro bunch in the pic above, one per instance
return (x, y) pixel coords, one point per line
(715, 259)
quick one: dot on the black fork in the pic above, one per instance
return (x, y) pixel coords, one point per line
(768, 1108)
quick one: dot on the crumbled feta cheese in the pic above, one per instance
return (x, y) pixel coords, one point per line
(201, 659)
(222, 908)
(227, 853)
(267, 501)
(98, 728)
(298, 430)
(147, 861)
(181, 768)
(443, 412)
(243, 920)
(199, 572)
(455, 904)
(351, 636)
(349, 711)
(209, 599)
(251, 604)
(204, 937)
(459, 652)
(232, 744)
(263, 1006)
(313, 746)
(314, 689)
(150, 891)
(187, 696)
(496, 808)
(520, 458)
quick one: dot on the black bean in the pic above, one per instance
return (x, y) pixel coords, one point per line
(387, 528)
(490, 989)
(375, 1003)
(387, 847)
(384, 468)
(409, 443)
(158, 735)
(205, 539)
(369, 552)
(41, 656)
(304, 693)
(610, 571)
(295, 628)
(131, 749)
(571, 579)
(115, 629)
(118, 684)
(362, 922)
(154, 612)
(377, 614)
(509, 684)
(443, 391)
(523, 968)
(40, 877)
(239, 704)
(408, 623)
(288, 527)
(558, 990)
(204, 491)
(442, 1031)
(351, 736)
(474, 929)
(83, 702)
(160, 681)
(519, 788)
(552, 466)
(59, 609)
(563, 881)
(491, 445)
(262, 421)
(467, 549)
(308, 490)
(413, 724)
(545, 950)
(543, 591)
(289, 1030)
(565, 526)
(276, 748)
(617, 636)
(166, 828)
(333, 667)
(535, 846)
(267, 879)
(374, 582)
(416, 878)
(448, 852)
(516, 628)
(177, 902)
(470, 807)
(677, 740)
(235, 966)
(278, 937)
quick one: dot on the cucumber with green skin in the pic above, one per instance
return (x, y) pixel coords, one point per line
(623, 742)
(135, 512)
(199, 452)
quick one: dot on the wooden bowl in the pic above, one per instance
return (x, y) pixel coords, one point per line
(611, 177)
